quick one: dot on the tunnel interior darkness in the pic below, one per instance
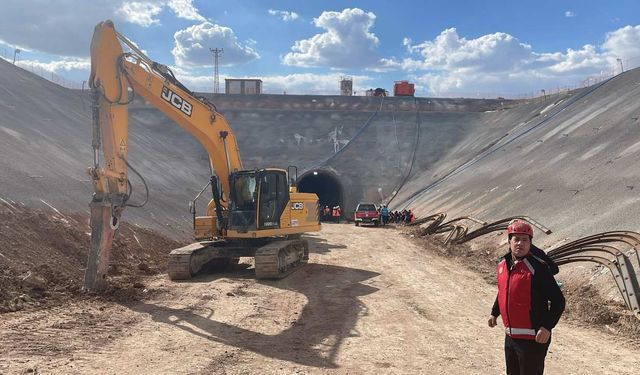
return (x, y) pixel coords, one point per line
(325, 185)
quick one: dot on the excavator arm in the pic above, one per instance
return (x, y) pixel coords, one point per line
(115, 77)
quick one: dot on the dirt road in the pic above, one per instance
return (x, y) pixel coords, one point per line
(370, 301)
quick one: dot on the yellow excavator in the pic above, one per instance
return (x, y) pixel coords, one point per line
(252, 213)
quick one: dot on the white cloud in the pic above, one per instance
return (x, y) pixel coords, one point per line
(140, 13)
(346, 43)
(569, 14)
(144, 13)
(195, 81)
(624, 43)
(488, 53)
(584, 61)
(192, 46)
(286, 16)
(66, 64)
(499, 62)
(185, 9)
(387, 64)
(65, 27)
(309, 83)
(58, 71)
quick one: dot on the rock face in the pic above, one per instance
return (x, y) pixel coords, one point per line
(568, 161)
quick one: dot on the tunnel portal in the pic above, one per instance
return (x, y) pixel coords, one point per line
(326, 186)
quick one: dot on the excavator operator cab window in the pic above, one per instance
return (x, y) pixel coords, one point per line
(264, 191)
(274, 195)
(245, 187)
(244, 197)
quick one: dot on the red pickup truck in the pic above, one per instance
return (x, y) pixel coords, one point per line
(367, 213)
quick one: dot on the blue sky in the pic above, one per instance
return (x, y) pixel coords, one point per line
(447, 48)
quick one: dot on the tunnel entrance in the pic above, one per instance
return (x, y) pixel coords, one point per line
(325, 185)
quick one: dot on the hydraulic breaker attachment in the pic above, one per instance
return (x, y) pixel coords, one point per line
(103, 230)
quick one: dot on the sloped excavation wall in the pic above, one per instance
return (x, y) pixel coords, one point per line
(569, 160)
(573, 166)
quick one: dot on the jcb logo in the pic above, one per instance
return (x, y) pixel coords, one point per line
(176, 101)
(297, 206)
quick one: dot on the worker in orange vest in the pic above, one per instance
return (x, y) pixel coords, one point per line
(336, 213)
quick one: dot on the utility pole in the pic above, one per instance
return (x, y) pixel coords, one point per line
(216, 78)
(17, 50)
(620, 61)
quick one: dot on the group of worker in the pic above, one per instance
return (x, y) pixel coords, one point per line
(331, 214)
(396, 217)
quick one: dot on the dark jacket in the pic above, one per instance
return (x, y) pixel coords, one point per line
(545, 259)
(544, 289)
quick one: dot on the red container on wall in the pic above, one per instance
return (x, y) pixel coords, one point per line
(403, 88)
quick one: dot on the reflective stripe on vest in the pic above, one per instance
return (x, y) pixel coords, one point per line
(529, 266)
(520, 331)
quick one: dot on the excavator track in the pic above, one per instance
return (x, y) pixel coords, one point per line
(274, 260)
(281, 258)
(188, 260)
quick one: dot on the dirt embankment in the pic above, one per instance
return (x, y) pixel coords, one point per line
(43, 256)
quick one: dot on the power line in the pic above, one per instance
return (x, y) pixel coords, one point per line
(216, 78)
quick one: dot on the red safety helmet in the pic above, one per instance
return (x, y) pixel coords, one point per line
(520, 227)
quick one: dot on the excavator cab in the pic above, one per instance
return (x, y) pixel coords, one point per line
(258, 199)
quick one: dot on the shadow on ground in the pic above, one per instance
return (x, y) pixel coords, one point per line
(319, 245)
(330, 316)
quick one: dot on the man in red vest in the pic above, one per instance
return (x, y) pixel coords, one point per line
(336, 214)
(529, 301)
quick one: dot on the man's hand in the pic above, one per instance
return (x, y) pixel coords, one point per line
(492, 321)
(543, 335)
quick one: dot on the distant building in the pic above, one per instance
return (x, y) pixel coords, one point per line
(242, 86)
(403, 88)
(377, 92)
(346, 86)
